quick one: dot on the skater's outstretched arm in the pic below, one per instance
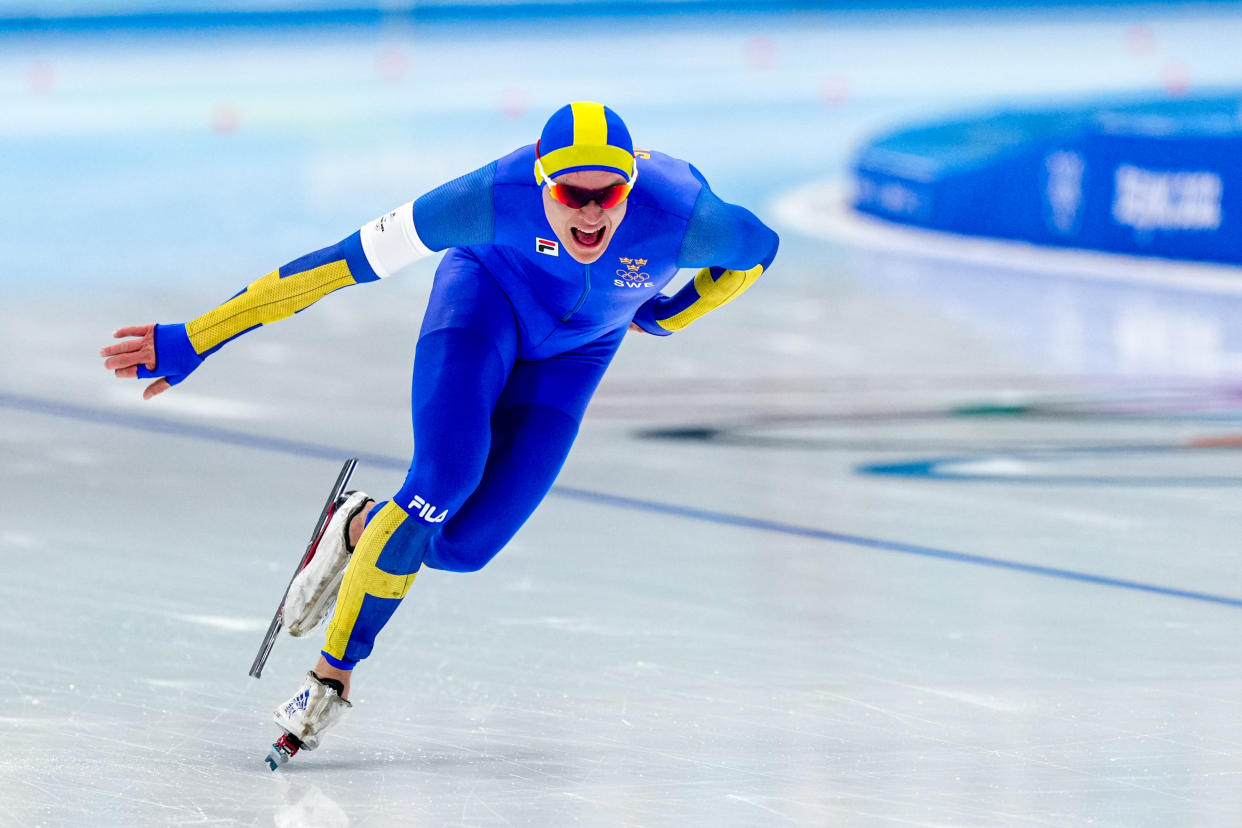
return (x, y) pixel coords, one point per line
(455, 214)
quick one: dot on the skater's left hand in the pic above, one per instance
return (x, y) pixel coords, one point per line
(123, 358)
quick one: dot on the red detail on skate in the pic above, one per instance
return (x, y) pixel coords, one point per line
(285, 744)
(315, 546)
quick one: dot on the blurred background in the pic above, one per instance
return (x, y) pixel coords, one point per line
(927, 528)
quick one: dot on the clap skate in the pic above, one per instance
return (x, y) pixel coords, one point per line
(313, 709)
(312, 594)
(306, 608)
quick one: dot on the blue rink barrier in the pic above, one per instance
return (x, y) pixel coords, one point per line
(1155, 177)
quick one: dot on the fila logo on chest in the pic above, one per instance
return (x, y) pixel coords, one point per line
(547, 247)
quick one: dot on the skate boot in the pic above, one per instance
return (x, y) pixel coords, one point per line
(313, 591)
(313, 709)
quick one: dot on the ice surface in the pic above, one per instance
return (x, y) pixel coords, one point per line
(732, 611)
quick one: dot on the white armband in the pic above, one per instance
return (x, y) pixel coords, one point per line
(391, 243)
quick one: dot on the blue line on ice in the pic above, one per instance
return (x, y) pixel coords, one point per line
(54, 408)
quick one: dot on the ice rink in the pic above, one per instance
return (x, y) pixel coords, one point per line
(916, 532)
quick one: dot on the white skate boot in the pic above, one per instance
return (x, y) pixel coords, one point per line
(313, 709)
(313, 592)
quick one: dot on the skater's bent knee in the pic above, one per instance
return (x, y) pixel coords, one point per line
(404, 540)
(449, 557)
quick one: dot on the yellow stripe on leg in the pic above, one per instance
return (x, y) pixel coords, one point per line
(363, 577)
(267, 300)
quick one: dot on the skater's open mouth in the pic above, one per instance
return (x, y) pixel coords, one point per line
(587, 239)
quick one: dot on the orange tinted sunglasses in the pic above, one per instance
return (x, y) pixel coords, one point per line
(579, 197)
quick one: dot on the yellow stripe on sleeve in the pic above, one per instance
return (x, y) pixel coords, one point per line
(712, 294)
(267, 300)
(363, 577)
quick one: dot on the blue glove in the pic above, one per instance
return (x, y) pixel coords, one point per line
(175, 357)
(645, 316)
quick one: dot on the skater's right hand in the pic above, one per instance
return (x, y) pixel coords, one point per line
(161, 351)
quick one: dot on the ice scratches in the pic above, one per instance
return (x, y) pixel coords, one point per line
(752, 802)
(574, 625)
(904, 719)
(172, 684)
(225, 623)
(474, 797)
(977, 699)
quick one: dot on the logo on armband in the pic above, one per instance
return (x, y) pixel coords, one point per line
(547, 247)
(381, 223)
(632, 275)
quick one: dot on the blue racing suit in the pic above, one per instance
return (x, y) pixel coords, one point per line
(515, 339)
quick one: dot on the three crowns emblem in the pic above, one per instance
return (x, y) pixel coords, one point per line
(633, 268)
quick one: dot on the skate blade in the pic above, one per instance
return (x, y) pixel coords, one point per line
(276, 757)
(278, 754)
